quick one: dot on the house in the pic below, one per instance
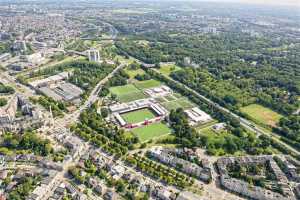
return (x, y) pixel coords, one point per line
(164, 194)
(110, 195)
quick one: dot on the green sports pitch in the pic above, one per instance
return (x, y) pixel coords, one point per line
(127, 93)
(178, 103)
(151, 131)
(138, 115)
(147, 84)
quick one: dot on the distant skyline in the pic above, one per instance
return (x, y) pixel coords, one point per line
(263, 2)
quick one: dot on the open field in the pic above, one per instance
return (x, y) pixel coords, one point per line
(262, 115)
(127, 93)
(133, 73)
(151, 131)
(121, 90)
(124, 60)
(147, 84)
(179, 103)
(168, 69)
(138, 115)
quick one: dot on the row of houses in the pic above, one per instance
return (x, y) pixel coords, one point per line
(184, 166)
(73, 143)
(66, 188)
(283, 182)
(245, 189)
(291, 170)
(30, 115)
(250, 191)
(29, 159)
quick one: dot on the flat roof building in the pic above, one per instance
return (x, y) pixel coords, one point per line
(93, 55)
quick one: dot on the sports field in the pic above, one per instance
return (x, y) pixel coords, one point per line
(179, 103)
(127, 93)
(168, 69)
(262, 114)
(133, 73)
(138, 115)
(151, 131)
(147, 84)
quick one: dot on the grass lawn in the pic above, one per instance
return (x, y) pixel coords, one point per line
(208, 124)
(170, 98)
(168, 69)
(177, 95)
(147, 84)
(179, 103)
(127, 93)
(262, 114)
(124, 60)
(125, 89)
(138, 115)
(151, 131)
(185, 103)
(133, 73)
(159, 99)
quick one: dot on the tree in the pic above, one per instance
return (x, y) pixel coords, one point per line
(104, 112)
(3, 102)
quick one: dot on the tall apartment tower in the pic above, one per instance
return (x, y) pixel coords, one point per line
(93, 55)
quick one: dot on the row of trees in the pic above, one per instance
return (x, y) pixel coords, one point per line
(159, 171)
(234, 69)
(3, 102)
(4, 89)
(241, 140)
(186, 135)
(57, 107)
(120, 78)
(28, 141)
(94, 128)
(24, 188)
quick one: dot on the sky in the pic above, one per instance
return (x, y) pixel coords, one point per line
(265, 2)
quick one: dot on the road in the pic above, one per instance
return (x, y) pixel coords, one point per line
(113, 31)
(244, 122)
(70, 118)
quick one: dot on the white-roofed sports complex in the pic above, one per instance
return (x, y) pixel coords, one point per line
(146, 111)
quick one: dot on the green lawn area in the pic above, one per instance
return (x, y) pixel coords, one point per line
(159, 99)
(170, 98)
(208, 124)
(133, 73)
(122, 59)
(151, 131)
(127, 93)
(179, 103)
(185, 103)
(138, 115)
(177, 95)
(261, 114)
(168, 69)
(147, 84)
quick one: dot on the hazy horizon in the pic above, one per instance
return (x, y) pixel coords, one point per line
(261, 2)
